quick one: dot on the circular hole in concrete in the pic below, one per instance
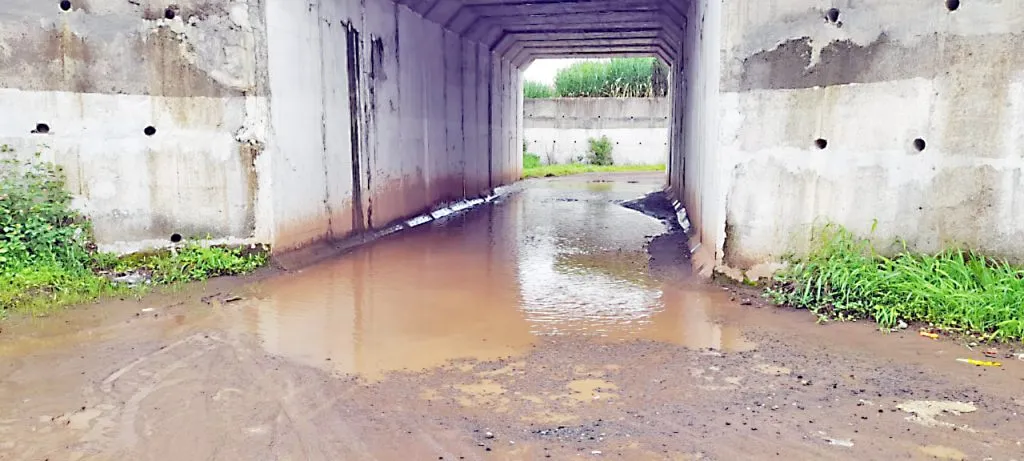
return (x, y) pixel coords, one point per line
(175, 238)
(821, 143)
(150, 131)
(919, 144)
(42, 128)
(952, 5)
(832, 15)
(65, 5)
(169, 13)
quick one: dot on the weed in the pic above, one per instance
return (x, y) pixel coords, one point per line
(600, 151)
(961, 291)
(48, 260)
(531, 161)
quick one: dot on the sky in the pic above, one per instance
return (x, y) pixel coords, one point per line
(544, 70)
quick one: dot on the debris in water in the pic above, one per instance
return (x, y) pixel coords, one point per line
(927, 334)
(980, 363)
(991, 352)
(902, 325)
(147, 309)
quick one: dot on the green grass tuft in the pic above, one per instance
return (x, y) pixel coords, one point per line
(959, 291)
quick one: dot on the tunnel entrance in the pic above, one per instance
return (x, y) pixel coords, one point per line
(595, 115)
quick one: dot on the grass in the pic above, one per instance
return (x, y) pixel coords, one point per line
(545, 171)
(537, 90)
(619, 77)
(48, 259)
(957, 291)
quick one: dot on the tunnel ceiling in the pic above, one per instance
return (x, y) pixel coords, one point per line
(524, 30)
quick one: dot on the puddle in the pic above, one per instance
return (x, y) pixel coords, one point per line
(490, 284)
(591, 390)
(941, 452)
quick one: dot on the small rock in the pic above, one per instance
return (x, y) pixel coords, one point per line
(489, 435)
(746, 302)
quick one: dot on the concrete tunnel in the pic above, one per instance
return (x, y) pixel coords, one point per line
(296, 122)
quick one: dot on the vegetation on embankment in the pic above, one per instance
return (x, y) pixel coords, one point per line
(957, 291)
(48, 259)
(615, 78)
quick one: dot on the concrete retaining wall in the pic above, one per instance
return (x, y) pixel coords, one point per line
(558, 130)
(921, 109)
(270, 121)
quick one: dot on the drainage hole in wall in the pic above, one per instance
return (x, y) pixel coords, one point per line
(169, 13)
(41, 128)
(832, 15)
(175, 238)
(65, 5)
(821, 143)
(150, 131)
(919, 144)
(952, 5)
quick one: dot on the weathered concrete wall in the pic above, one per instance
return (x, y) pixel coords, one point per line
(368, 118)
(558, 130)
(917, 108)
(142, 104)
(694, 164)
(254, 120)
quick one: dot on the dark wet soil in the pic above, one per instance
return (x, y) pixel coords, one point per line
(669, 252)
(530, 329)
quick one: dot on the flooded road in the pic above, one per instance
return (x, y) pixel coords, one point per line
(532, 327)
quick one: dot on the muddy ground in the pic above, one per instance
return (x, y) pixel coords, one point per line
(462, 351)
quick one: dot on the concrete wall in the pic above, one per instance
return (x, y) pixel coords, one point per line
(558, 130)
(275, 121)
(879, 83)
(99, 74)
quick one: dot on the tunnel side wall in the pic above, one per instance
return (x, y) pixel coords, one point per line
(275, 121)
(377, 115)
(100, 73)
(871, 83)
(694, 164)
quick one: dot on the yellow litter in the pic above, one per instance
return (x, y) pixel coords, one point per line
(980, 363)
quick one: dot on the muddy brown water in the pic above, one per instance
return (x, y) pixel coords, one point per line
(529, 328)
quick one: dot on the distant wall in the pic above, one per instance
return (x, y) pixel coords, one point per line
(558, 129)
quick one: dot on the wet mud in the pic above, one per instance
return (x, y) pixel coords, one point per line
(550, 324)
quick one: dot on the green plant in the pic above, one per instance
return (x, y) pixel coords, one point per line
(619, 77)
(600, 151)
(36, 219)
(537, 90)
(47, 259)
(845, 278)
(531, 161)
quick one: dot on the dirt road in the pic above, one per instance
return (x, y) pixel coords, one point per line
(536, 327)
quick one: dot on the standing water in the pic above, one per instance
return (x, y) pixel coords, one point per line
(555, 258)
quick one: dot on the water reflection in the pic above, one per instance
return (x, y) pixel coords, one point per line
(557, 258)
